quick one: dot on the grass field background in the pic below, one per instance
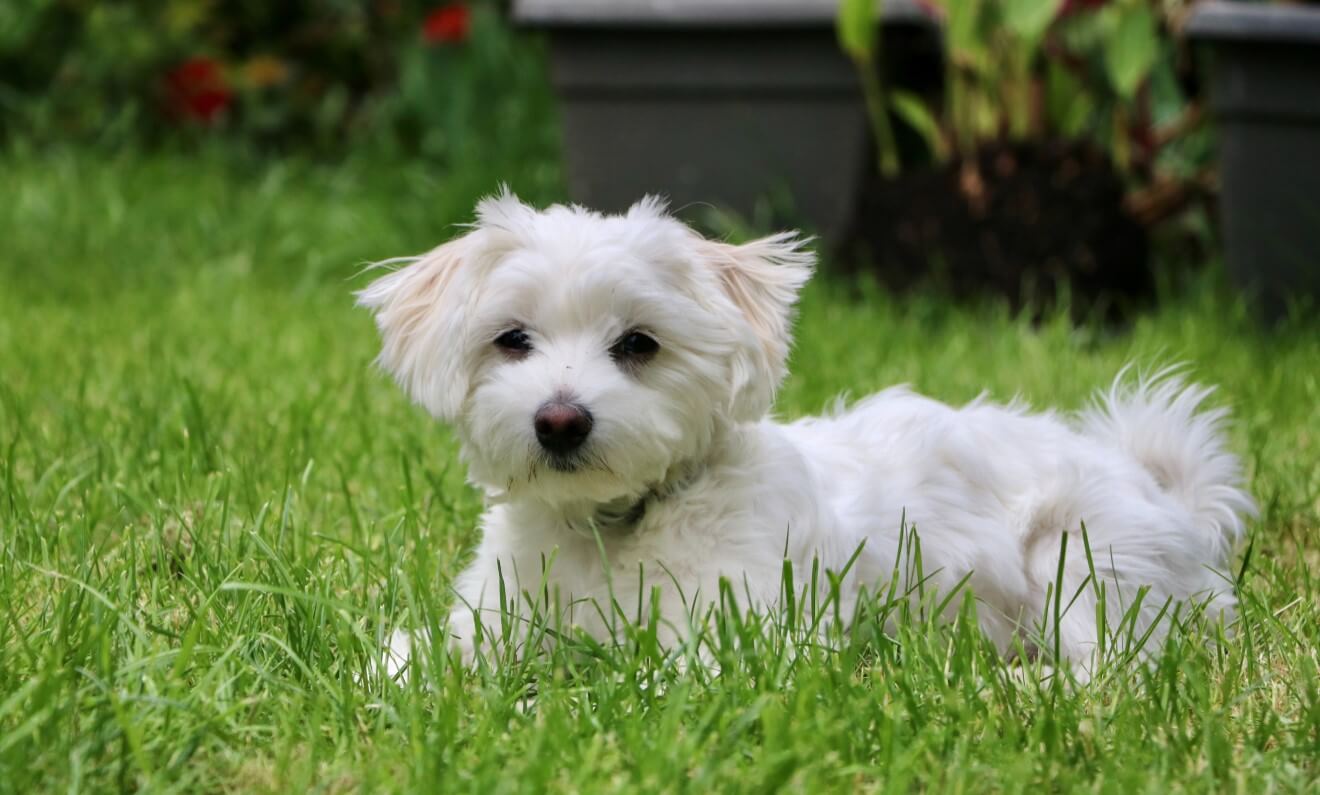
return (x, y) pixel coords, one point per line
(212, 507)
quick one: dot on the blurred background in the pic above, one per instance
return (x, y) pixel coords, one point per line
(1026, 150)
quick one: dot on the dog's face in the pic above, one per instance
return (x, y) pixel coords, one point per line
(581, 357)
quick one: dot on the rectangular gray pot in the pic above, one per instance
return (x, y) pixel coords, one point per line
(718, 102)
(1265, 95)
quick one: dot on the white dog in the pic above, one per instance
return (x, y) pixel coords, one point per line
(609, 378)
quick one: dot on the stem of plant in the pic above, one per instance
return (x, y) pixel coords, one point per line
(873, 90)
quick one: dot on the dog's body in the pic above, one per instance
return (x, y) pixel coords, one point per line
(608, 378)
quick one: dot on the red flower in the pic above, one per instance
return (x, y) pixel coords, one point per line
(196, 90)
(931, 8)
(446, 24)
(1071, 7)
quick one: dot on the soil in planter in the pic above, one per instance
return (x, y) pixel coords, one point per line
(1020, 222)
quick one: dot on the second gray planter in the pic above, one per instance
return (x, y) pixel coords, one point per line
(1265, 94)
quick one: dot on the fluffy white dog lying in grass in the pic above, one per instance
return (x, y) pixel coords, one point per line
(609, 379)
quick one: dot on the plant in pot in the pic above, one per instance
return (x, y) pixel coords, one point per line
(1063, 137)
(1265, 97)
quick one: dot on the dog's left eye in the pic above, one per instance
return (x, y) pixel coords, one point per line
(514, 342)
(634, 347)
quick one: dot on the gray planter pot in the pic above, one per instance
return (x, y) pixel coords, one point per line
(1265, 95)
(717, 102)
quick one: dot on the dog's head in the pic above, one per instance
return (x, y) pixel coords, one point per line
(580, 357)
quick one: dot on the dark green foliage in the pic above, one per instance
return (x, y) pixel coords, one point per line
(432, 79)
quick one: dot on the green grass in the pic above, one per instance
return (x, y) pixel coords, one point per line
(212, 506)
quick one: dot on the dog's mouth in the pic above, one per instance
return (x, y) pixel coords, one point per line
(581, 476)
(569, 463)
(585, 459)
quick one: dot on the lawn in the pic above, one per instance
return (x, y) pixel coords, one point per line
(212, 507)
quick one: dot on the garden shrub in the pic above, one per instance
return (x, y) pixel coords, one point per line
(430, 79)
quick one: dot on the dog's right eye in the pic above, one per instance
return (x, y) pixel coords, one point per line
(514, 342)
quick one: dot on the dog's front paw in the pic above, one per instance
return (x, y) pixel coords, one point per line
(398, 658)
(404, 650)
(462, 635)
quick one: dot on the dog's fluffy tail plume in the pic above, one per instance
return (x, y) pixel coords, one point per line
(1158, 421)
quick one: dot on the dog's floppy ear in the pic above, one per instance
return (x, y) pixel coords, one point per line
(761, 279)
(420, 317)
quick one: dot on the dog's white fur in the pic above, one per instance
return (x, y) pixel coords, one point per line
(724, 492)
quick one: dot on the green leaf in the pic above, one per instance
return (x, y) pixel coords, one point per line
(1132, 49)
(1029, 18)
(855, 26)
(916, 114)
(1069, 106)
(963, 31)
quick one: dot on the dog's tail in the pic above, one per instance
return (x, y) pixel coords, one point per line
(1158, 422)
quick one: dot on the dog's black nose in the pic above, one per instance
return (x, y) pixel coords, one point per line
(562, 427)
